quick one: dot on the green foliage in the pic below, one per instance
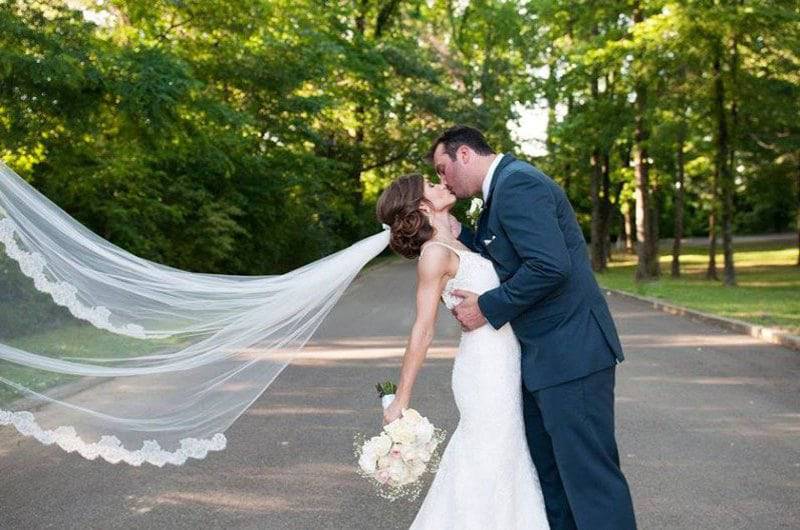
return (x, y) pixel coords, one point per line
(251, 138)
(670, 53)
(215, 137)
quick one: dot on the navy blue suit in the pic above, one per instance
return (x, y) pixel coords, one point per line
(569, 344)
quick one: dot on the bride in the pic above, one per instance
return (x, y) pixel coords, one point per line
(486, 477)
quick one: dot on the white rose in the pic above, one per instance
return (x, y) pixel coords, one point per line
(426, 451)
(411, 416)
(384, 462)
(408, 452)
(409, 424)
(382, 476)
(368, 449)
(424, 431)
(400, 432)
(408, 479)
(382, 444)
(387, 429)
(417, 468)
(398, 472)
(368, 462)
(377, 446)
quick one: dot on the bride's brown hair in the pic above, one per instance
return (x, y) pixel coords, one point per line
(398, 207)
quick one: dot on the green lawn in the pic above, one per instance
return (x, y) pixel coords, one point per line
(768, 291)
(77, 340)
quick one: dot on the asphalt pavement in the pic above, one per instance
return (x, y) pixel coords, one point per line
(708, 424)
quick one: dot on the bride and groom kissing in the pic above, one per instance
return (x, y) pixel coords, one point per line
(533, 378)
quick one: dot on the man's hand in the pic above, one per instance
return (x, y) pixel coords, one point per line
(468, 312)
(455, 226)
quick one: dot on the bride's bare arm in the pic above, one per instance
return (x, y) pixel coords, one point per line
(433, 270)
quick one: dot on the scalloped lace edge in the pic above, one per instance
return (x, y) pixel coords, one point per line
(109, 448)
(64, 294)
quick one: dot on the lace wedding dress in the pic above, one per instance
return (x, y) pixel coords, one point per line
(486, 477)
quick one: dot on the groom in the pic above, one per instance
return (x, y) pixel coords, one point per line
(569, 343)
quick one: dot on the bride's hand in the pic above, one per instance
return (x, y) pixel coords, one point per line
(455, 226)
(393, 411)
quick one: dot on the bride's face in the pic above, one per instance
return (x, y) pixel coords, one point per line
(440, 198)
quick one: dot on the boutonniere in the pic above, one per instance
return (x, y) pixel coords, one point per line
(475, 209)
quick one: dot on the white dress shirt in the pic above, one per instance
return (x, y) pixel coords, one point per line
(487, 180)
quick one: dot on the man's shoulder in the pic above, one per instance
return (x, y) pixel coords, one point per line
(520, 169)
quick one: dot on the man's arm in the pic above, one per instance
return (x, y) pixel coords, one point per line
(527, 212)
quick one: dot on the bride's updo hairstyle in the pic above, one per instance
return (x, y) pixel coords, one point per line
(398, 207)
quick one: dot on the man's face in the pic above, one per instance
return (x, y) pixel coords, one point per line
(451, 172)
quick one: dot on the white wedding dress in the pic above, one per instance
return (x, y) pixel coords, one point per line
(486, 478)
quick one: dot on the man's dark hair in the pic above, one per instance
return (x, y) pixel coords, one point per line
(459, 135)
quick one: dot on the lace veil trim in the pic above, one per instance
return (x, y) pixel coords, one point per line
(64, 294)
(109, 448)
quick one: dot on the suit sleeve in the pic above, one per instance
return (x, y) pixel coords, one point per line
(527, 213)
(467, 236)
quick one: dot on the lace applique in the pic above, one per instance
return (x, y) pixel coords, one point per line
(109, 448)
(468, 265)
(64, 294)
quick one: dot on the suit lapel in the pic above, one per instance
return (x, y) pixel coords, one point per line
(481, 229)
(484, 217)
(504, 162)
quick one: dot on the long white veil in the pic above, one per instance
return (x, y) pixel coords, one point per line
(111, 355)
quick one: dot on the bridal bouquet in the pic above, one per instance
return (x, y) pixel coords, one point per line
(405, 449)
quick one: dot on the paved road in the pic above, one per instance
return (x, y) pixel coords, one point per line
(708, 424)
(783, 238)
(787, 238)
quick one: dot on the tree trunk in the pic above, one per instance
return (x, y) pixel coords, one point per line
(596, 224)
(597, 247)
(625, 207)
(724, 170)
(679, 193)
(357, 163)
(551, 93)
(647, 268)
(644, 211)
(605, 210)
(628, 229)
(711, 270)
(384, 19)
(656, 200)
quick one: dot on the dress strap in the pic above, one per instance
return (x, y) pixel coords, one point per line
(433, 241)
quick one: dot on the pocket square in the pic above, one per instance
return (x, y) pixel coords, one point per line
(487, 242)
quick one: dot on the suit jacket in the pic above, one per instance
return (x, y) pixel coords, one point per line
(548, 292)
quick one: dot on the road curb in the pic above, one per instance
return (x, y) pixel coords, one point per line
(770, 335)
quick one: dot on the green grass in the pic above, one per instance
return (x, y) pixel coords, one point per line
(77, 340)
(768, 290)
